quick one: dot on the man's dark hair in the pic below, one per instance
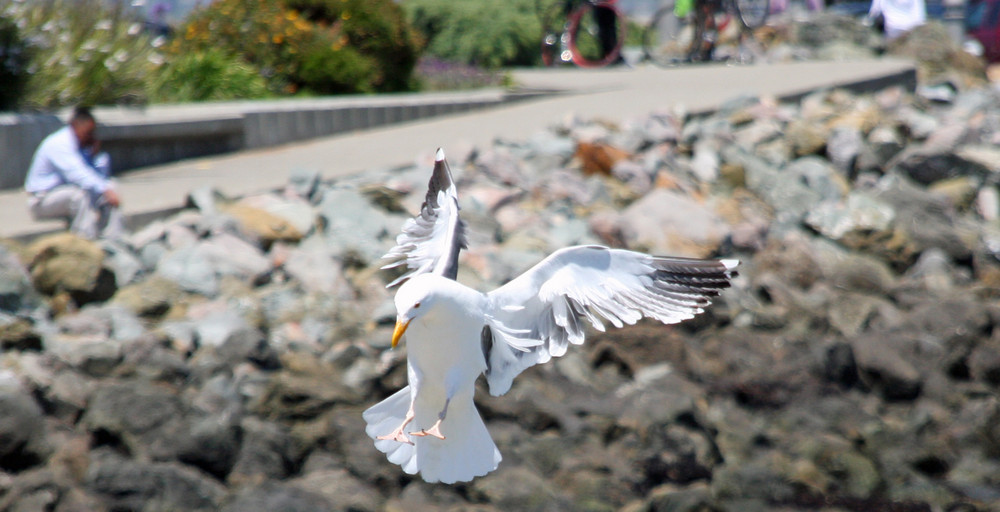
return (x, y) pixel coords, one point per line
(81, 113)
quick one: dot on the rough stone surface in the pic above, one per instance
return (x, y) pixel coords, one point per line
(22, 440)
(853, 365)
(67, 263)
(125, 484)
(666, 222)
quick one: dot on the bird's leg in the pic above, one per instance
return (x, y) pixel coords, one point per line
(435, 430)
(398, 435)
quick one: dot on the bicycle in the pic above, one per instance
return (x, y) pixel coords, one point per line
(582, 40)
(687, 30)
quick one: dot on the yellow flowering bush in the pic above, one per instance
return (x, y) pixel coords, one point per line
(312, 46)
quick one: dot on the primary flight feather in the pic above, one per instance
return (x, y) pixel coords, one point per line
(454, 333)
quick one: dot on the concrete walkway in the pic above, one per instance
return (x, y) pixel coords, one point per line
(613, 94)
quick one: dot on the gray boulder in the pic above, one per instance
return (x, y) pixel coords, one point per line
(126, 484)
(303, 183)
(272, 496)
(667, 222)
(16, 290)
(843, 147)
(151, 297)
(859, 217)
(984, 363)
(93, 354)
(340, 487)
(353, 228)
(22, 431)
(198, 268)
(142, 417)
(122, 262)
(929, 164)
(266, 453)
(927, 220)
(18, 334)
(211, 444)
(519, 488)
(886, 364)
(67, 263)
(190, 271)
(314, 267)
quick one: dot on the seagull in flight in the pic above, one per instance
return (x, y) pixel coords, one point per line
(454, 333)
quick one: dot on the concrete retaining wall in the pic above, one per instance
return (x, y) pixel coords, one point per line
(20, 134)
(167, 133)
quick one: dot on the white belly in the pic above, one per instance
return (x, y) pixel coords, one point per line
(445, 355)
(444, 362)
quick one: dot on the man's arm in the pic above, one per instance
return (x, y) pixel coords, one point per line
(75, 169)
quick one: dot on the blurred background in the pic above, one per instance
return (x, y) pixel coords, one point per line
(219, 357)
(58, 53)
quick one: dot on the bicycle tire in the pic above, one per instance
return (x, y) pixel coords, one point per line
(752, 13)
(668, 37)
(584, 44)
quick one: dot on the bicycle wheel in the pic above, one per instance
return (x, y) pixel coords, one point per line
(667, 41)
(752, 13)
(591, 42)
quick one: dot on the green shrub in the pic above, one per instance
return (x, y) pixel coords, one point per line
(377, 29)
(14, 59)
(312, 46)
(83, 52)
(329, 71)
(210, 75)
(485, 33)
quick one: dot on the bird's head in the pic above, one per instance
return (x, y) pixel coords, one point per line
(414, 298)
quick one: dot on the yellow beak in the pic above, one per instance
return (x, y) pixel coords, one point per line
(398, 332)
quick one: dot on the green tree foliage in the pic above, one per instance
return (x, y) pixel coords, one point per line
(486, 33)
(83, 52)
(14, 59)
(311, 46)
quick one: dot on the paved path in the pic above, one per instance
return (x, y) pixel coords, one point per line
(614, 94)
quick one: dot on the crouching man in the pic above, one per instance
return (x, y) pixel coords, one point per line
(70, 178)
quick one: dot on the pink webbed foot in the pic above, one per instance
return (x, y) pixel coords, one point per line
(396, 435)
(434, 431)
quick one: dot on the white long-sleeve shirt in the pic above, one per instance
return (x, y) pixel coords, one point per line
(900, 15)
(58, 161)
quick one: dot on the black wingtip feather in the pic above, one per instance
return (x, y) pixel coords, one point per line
(440, 180)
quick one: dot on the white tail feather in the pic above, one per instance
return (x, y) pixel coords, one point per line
(466, 452)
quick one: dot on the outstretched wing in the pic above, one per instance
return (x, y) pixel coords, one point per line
(539, 314)
(431, 241)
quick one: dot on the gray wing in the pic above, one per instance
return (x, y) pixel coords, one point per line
(431, 241)
(539, 314)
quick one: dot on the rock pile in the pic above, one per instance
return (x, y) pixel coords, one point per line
(220, 359)
(828, 35)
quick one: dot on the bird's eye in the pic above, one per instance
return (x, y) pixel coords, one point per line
(417, 305)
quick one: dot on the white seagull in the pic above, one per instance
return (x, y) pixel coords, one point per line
(455, 333)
